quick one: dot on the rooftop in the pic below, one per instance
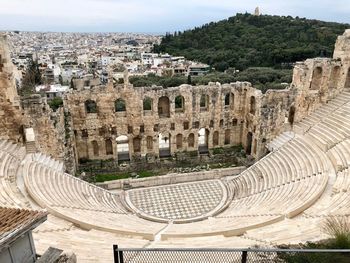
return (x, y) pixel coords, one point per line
(14, 222)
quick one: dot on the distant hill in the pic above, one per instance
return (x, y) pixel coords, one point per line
(246, 40)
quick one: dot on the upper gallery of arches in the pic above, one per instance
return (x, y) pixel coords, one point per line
(155, 103)
(322, 74)
(319, 75)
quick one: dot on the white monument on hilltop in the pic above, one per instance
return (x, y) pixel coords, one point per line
(257, 11)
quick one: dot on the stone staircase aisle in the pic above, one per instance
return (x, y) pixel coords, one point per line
(280, 140)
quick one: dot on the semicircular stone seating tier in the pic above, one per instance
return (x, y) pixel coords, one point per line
(279, 186)
(283, 184)
(183, 202)
(84, 204)
(281, 198)
(11, 156)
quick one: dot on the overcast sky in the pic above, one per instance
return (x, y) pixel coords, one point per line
(152, 16)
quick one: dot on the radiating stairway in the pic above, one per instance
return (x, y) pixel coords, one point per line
(280, 140)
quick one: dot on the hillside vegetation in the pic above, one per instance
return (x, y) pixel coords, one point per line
(261, 78)
(245, 40)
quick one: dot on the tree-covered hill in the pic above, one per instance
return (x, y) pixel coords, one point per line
(246, 40)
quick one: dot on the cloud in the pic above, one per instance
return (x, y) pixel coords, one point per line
(150, 15)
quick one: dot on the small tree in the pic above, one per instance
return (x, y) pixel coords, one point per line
(31, 78)
(189, 79)
(55, 103)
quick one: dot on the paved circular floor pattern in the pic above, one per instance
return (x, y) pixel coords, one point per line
(178, 202)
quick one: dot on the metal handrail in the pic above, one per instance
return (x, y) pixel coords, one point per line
(236, 250)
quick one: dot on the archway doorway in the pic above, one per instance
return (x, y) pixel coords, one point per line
(203, 135)
(249, 143)
(137, 144)
(216, 138)
(335, 75)
(164, 145)
(291, 115)
(316, 78)
(164, 107)
(191, 140)
(109, 147)
(347, 82)
(123, 148)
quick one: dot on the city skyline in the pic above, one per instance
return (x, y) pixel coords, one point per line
(153, 16)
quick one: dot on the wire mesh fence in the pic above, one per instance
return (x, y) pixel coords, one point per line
(230, 255)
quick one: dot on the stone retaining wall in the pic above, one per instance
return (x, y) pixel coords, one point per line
(172, 178)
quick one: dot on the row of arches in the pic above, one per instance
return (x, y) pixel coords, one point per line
(123, 144)
(163, 104)
(317, 78)
(91, 106)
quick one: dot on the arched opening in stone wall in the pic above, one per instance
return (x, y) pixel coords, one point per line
(216, 138)
(255, 146)
(203, 136)
(95, 148)
(291, 115)
(234, 122)
(179, 139)
(84, 134)
(191, 140)
(137, 144)
(82, 150)
(232, 101)
(164, 107)
(164, 145)
(90, 106)
(109, 146)
(227, 99)
(204, 102)
(335, 76)
(149, 142)
(252, 105)
(249, 143)
(123, 148)
(179, 104)
(227, 137)
(147, 104)
(316, 78)
(347, 82)
(120, 105)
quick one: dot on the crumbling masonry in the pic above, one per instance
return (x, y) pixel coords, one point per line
(122, 122)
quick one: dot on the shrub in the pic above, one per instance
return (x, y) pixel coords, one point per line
(55, 103)
(339, 229)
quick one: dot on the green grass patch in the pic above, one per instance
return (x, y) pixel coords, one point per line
(147, 174)
(109, 177)
(218, 150)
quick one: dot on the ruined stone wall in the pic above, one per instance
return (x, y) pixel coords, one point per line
(32, 112)
(251, 118)
(316, 81)
(191, 118)
(230, 115)
(11, 120)
(48, 126)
